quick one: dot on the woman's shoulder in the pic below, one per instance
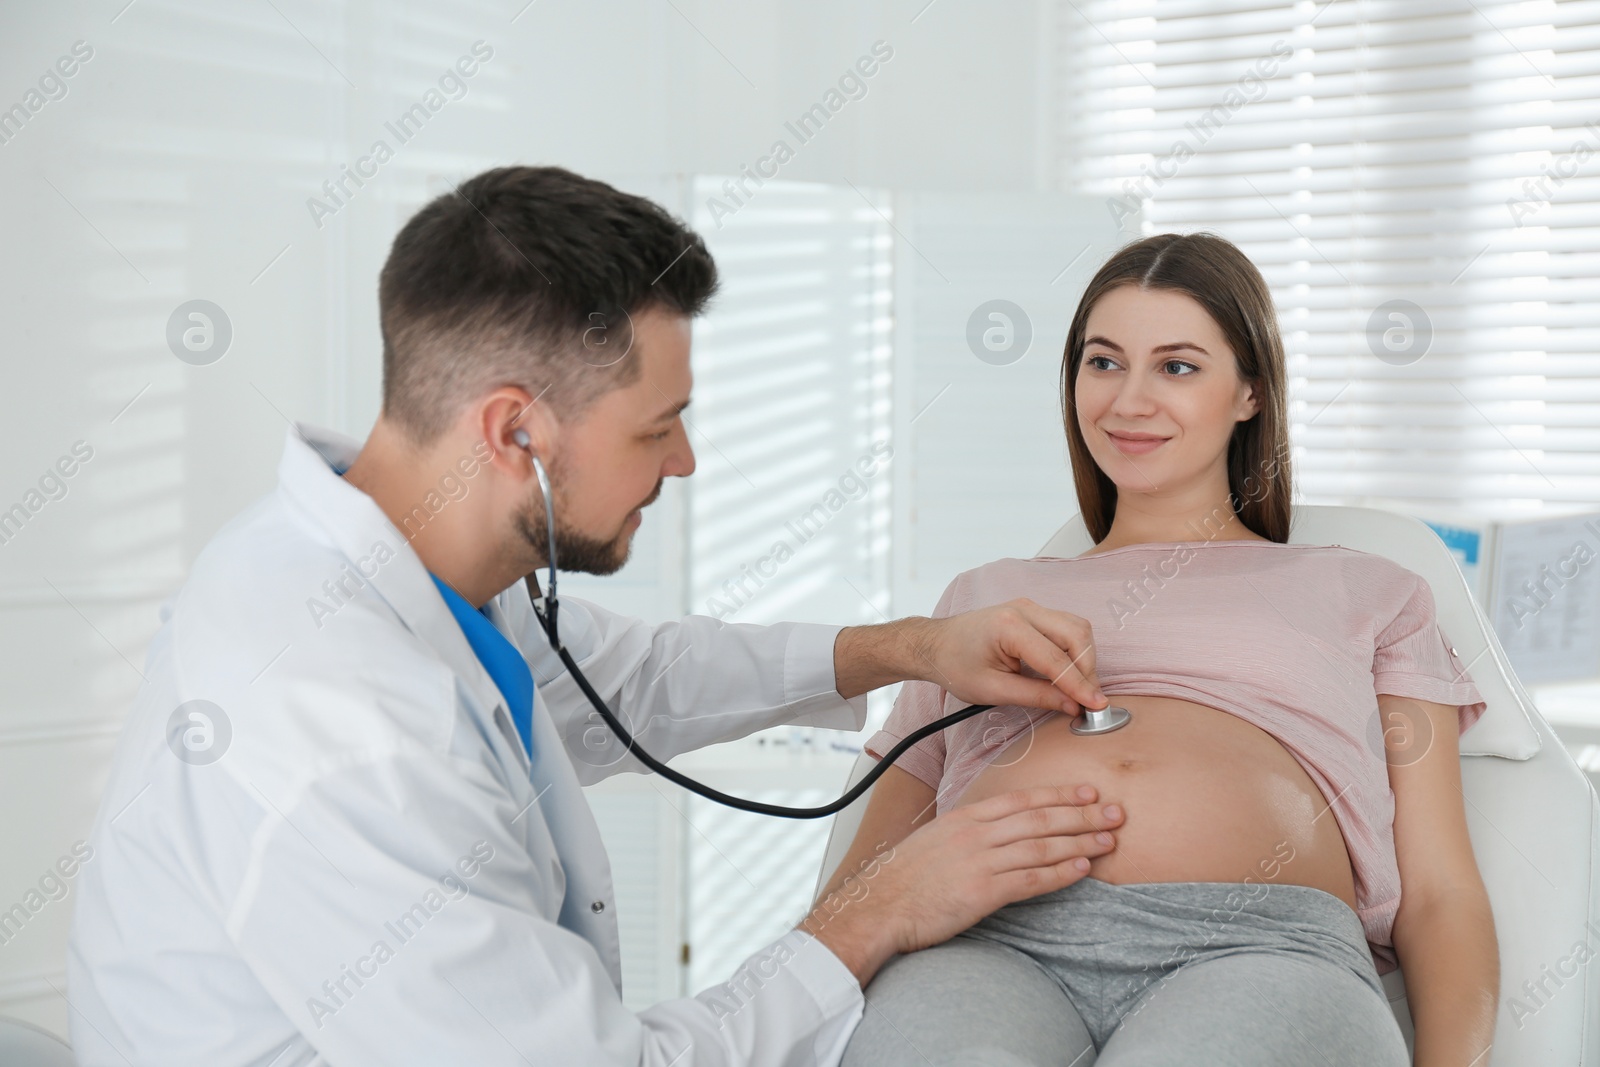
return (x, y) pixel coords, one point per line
(1000, 579)
(1374, 563)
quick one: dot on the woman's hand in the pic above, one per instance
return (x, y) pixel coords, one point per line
(979, 656)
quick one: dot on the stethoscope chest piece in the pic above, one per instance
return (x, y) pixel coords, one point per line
(1102, 721)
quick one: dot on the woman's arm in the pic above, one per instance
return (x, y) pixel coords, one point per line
(1444, 931)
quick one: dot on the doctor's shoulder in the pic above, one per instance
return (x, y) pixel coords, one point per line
(266, 577)
(274, 622)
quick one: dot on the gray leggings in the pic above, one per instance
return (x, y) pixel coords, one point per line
(1153, 973)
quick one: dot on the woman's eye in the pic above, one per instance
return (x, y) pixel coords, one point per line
(662, 436)
(1095, 361)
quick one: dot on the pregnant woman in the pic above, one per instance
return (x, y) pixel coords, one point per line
(1293, 823)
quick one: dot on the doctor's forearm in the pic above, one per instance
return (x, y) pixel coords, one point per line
(857, 936)
(870, 657)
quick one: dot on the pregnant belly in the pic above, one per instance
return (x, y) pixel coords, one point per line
(1207, 797)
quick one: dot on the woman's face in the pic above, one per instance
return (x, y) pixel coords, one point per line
(1155, 363)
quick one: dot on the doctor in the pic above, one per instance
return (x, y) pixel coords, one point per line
(344, 823)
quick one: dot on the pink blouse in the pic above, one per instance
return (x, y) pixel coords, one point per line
(1281, 635)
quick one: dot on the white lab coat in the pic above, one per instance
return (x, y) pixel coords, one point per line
(372, 872)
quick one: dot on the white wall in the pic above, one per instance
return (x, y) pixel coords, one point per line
(177, 166)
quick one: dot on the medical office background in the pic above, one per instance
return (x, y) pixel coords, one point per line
(905, 198)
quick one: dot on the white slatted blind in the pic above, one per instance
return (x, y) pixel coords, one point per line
(749, 877)
(791, 428)
(789, 512)
(1444, 153)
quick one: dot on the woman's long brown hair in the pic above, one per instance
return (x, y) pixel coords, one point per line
(1218, 276)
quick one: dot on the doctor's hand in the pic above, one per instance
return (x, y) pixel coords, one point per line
(950, 872)
(978, 656)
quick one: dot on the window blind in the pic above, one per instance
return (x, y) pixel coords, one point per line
(1418, 181)
(788, 510)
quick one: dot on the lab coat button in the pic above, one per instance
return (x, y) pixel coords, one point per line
(598, 906)
(1452, 650)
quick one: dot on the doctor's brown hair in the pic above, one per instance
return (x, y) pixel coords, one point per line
(1221, 279)
(527, 276)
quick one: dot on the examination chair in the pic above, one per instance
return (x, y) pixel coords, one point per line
(25, 1045)
(1533, 817)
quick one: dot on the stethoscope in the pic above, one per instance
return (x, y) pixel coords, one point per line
(1091, 722)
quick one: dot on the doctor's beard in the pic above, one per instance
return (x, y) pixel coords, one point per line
(575, 550)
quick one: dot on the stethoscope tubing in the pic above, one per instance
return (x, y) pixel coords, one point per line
(549, 625)
(741, 803)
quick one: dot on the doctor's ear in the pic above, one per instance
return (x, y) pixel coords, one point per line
(516, 425)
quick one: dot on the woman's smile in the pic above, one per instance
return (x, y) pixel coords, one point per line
(1137, 446)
